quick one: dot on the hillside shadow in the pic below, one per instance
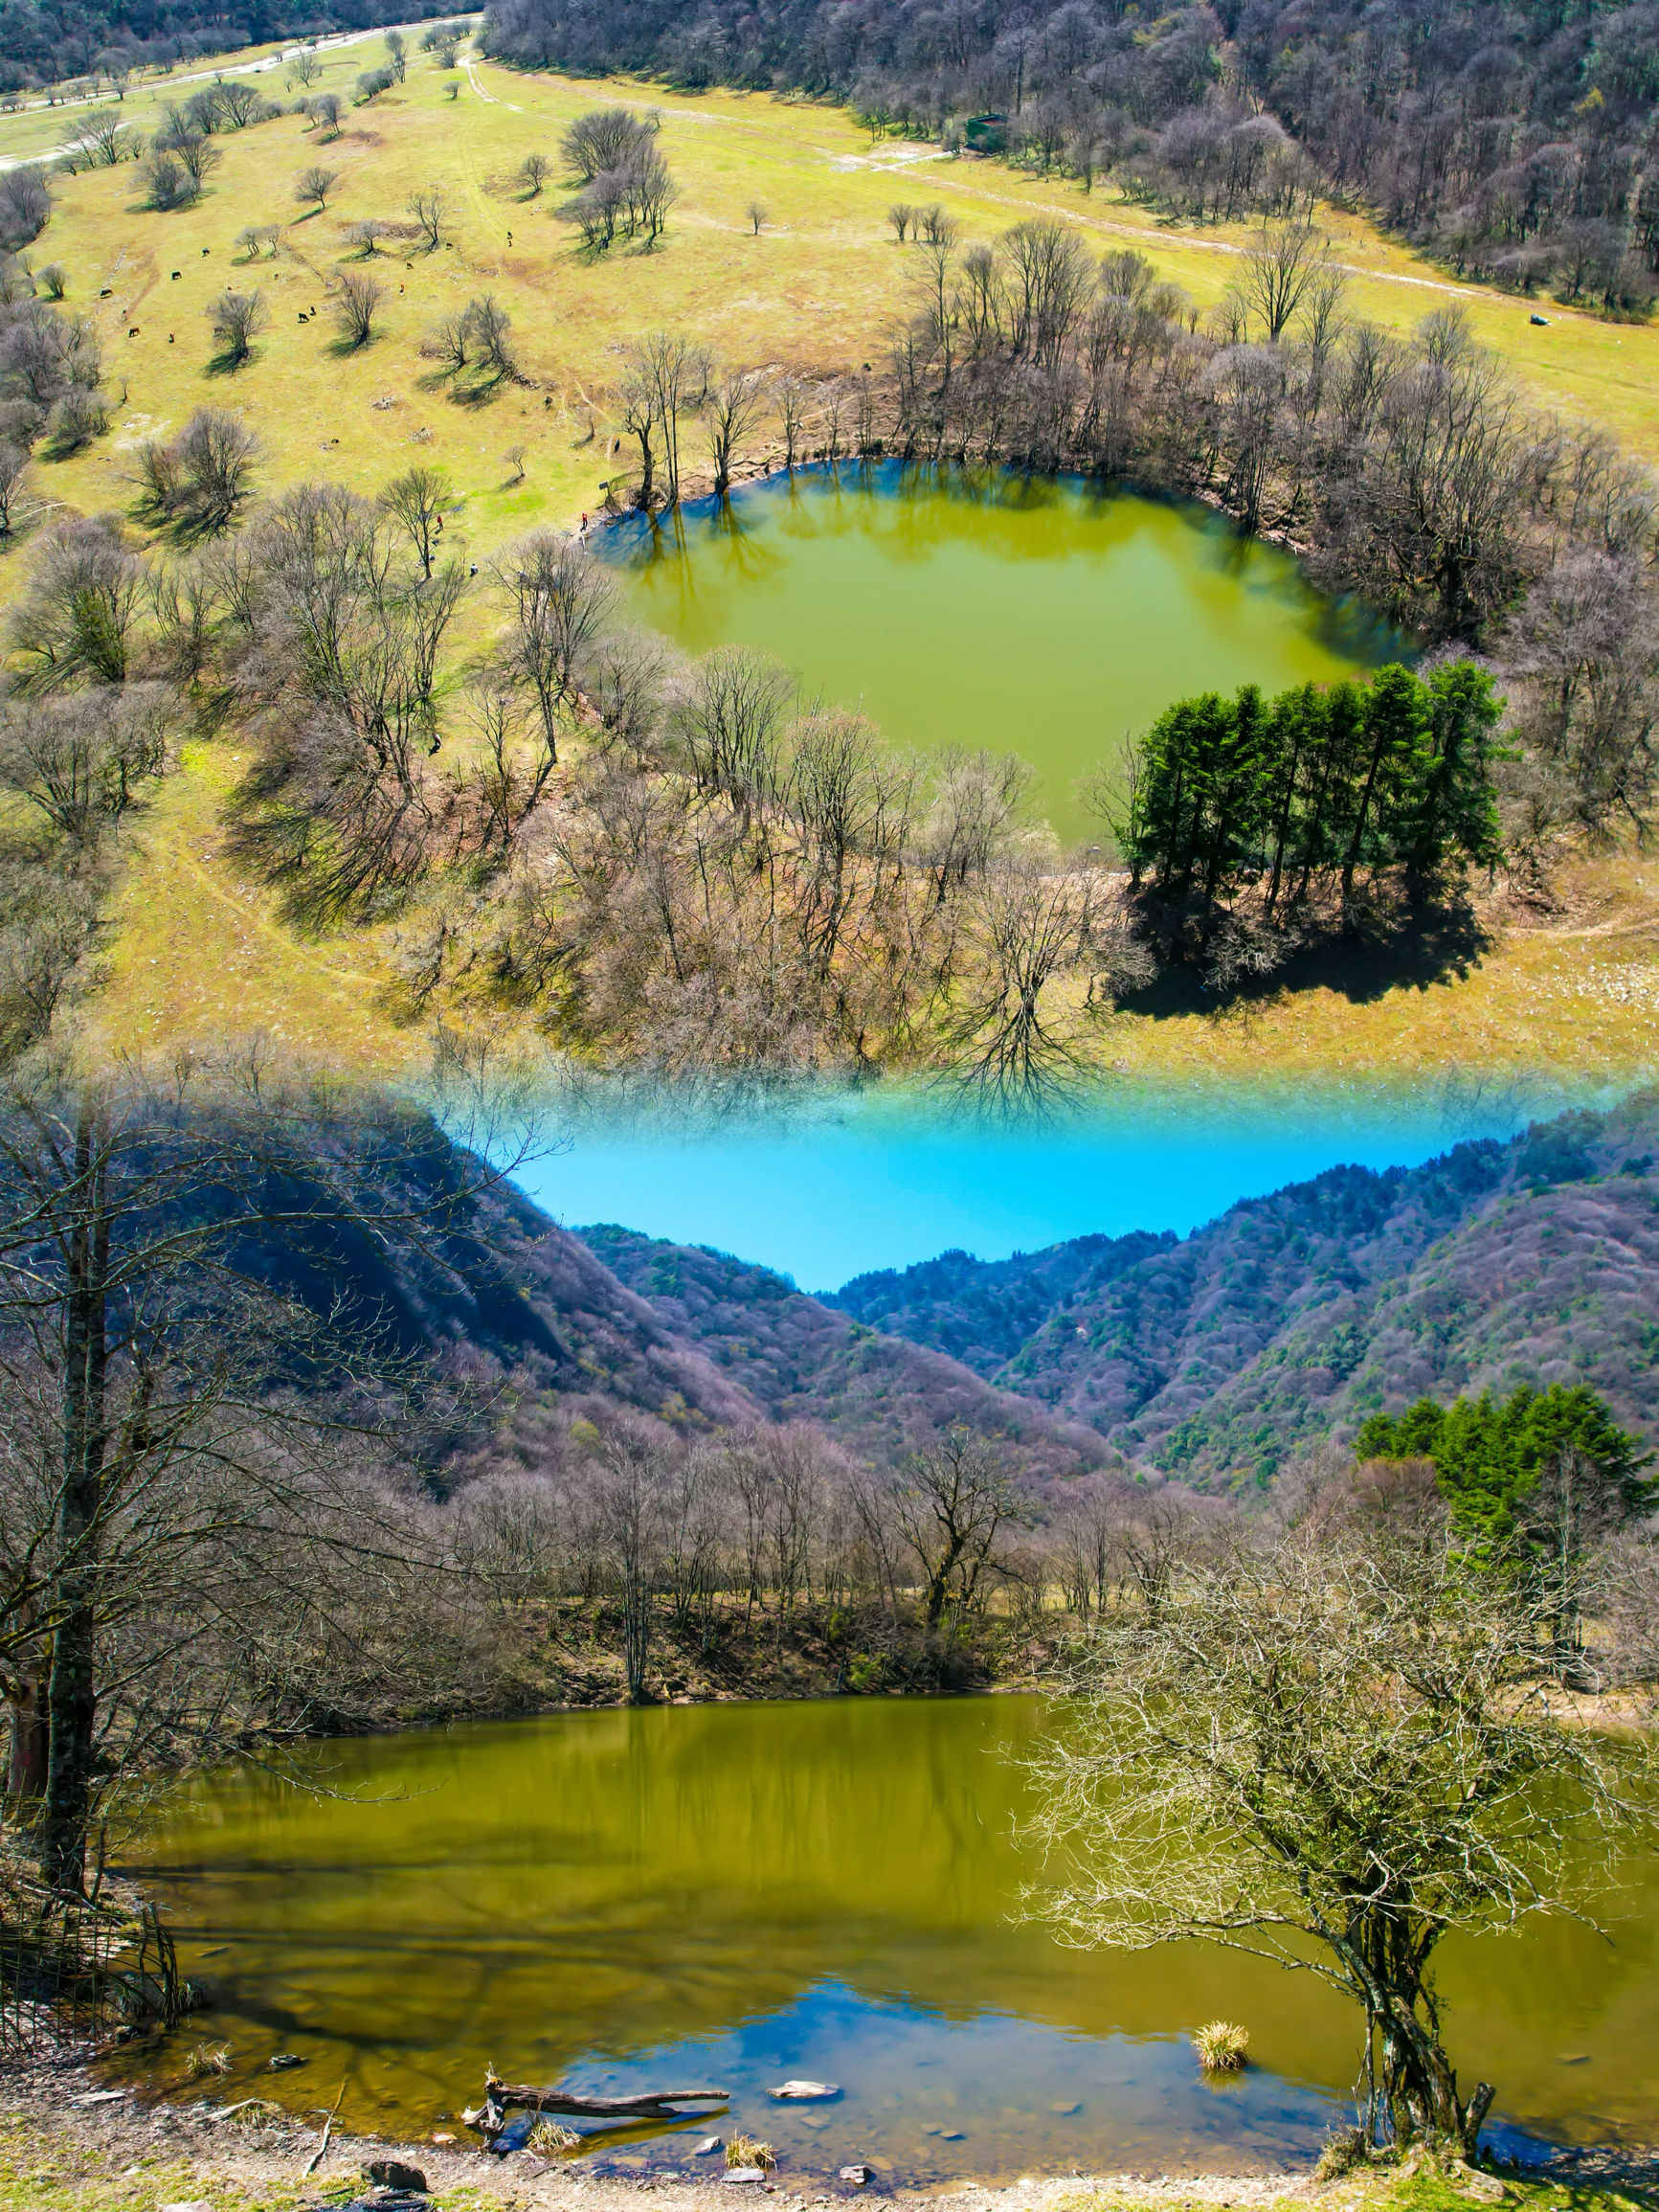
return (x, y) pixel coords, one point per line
(1415, 952)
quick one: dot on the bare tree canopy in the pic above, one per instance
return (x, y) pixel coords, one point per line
(1331, 1751)
(354, 302)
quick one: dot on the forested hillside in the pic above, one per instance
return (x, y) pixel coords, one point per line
(1209, 1357)
(549, 1330)
(1297, 1314)
(802, 1361)
(47, 45)
(1516, 141)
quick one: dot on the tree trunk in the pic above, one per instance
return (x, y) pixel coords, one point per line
(26, 1771)
(72, 1696)
(1421, 2087)
(636, 1630)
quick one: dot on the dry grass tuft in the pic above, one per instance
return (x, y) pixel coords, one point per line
(745, 2150)
(1221, 2045)
(548, 2137)
(204, 2058)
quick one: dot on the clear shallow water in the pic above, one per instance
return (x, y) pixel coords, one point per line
(735, 1894)
(825, 1187)
(1021, 615)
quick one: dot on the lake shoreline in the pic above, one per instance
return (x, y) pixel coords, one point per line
(164, 2155)
(58, 2150)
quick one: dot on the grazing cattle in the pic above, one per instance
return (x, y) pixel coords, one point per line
(177, 274)
(133, 332)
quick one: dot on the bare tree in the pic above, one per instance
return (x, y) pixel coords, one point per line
(954, 1498)
(168, 182)
(353, 302)
(1028, 922)
(489, 329)
(430, 210)
(13, 484)
(561, 599)
(534, 172)
(450, 340)
(236, 317)
(629, 1499)
(198, 480)
(604, 138)
(792, 397)
(729, 719)
(415, 502)
(95, 139)
(1331, 1753)
(736, 400)
(665, 378)
(80, 760)
(758, 215)
(312, 187)
(144, 1438)
(305, 70)
(396, 54)
(74, 624)
(1292, 263)
(325, 112)
(366, 235)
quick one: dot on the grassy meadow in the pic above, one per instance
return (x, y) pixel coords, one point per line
(197, 952)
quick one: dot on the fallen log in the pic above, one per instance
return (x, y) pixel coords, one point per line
(498, 2097)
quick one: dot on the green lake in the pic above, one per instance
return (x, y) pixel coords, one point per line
(1021, 615)
(737, 1894)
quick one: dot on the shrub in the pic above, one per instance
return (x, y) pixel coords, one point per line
(77, 419)
(168, 182)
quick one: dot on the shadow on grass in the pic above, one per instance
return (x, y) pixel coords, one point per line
(464, 388)
(1415, 952)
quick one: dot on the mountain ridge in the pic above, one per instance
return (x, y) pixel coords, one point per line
(1299, 1313)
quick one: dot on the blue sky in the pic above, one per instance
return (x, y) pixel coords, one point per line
(826, 1191)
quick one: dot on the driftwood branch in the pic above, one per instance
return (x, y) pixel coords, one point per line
(316, 2159)
(653, 2104)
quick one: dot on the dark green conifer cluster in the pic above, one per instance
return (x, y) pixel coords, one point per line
(1299, 793)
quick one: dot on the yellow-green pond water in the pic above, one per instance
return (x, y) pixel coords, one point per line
(736, 1894)
(1021, 615)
